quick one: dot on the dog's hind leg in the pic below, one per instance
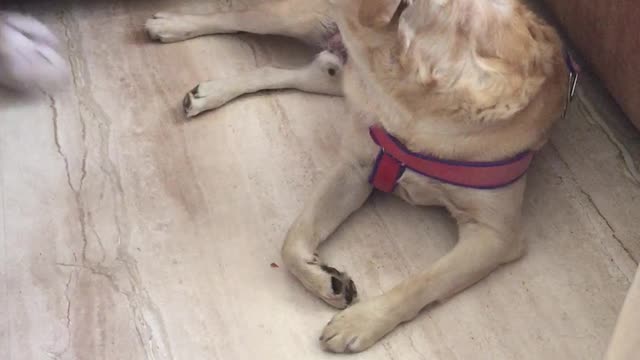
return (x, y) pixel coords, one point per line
(305, 20)
(322, 76)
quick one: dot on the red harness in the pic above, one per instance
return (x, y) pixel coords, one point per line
(394, 158)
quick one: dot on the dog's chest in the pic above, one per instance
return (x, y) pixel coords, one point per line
(412, 187)
(420, 190)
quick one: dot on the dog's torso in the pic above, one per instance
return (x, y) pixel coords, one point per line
(373, 103)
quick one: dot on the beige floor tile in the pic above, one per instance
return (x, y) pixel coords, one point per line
(131, 234)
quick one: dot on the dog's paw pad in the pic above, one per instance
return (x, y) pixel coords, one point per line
(195, 91)
(187, 103)
(207, 96)
(344, 291)
(194, 102)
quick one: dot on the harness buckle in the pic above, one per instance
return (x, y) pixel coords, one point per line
(574, 76)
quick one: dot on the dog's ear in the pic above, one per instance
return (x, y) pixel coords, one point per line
(377, 13)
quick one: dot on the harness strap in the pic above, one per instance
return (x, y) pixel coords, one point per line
(386, 172)
(394, 158)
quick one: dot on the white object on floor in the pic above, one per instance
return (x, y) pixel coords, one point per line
(625, 344)
(28, 59)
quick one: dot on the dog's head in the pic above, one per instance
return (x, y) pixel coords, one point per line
(463, 59)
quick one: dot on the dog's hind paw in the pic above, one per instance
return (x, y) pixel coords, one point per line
(207, 96)
(167, 27)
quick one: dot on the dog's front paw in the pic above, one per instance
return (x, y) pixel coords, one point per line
(359, 327)
(332, 286)
(167, 27)
(340, 291)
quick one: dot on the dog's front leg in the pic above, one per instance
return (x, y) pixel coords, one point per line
(338, 196)
(480, 250)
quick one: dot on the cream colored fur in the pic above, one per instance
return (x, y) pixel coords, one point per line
(461, 79)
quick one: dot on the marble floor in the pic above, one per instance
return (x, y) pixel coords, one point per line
(128, 233)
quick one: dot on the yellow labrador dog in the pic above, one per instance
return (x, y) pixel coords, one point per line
(459, 93)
